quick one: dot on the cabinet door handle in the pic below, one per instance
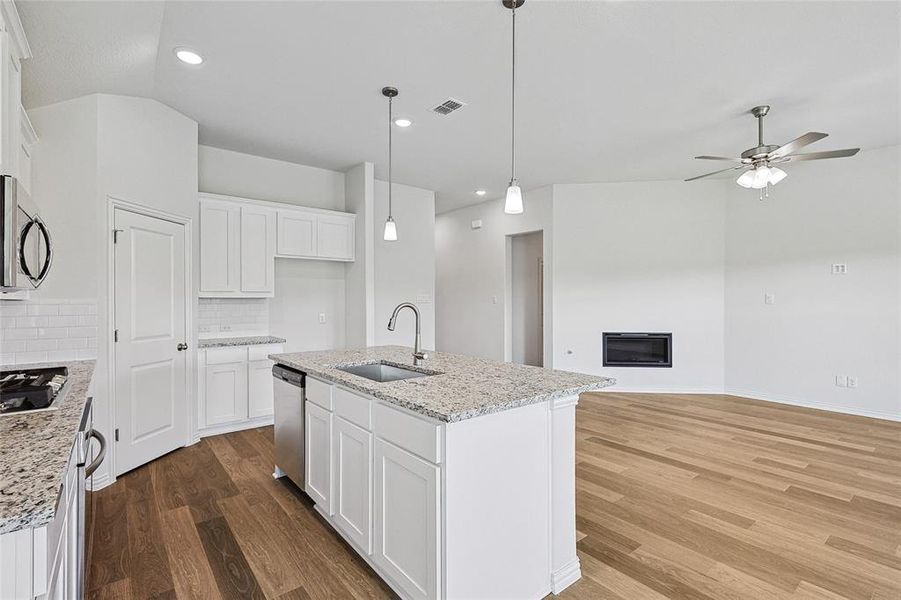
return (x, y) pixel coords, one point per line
(182, 347)
(89, 470)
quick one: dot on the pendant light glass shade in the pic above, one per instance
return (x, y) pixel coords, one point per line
(390, 230)
(513, 203)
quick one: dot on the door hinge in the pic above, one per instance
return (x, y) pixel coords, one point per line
(116, 233)
(115, 335)
(117, 434)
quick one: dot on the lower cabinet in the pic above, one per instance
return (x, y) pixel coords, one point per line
(366, 470)
(235, 387)
(406, 526)
(352, 452)
(318, 426)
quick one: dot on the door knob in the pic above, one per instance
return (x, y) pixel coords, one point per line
(181, 347)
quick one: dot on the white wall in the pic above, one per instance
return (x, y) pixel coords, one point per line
(471, 283)
(642, 256)
(359, 275)
(303, 288)
(405, 269)
(821, 325)
(90, 149)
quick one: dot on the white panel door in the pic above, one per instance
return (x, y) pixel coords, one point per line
(220, 248)
(296, 233)
(335, 235)
(352, 455)
(319, 456)
(260, 389)
(257, 250)
(406, 520)
(225, 396)
(151, 383)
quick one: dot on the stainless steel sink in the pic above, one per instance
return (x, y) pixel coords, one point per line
(383, 372)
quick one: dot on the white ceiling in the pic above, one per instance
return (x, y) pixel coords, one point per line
(607, 91)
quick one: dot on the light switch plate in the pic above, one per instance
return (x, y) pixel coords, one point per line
(769, 298)
(852, 381)
(322, 318)
(839, 269)
(841, 380)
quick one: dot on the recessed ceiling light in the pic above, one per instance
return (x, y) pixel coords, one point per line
(481, 192)
(188, 56)
(403, 122)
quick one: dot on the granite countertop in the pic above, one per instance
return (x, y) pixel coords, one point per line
(253, 340)
(35, 449)
(465, 387)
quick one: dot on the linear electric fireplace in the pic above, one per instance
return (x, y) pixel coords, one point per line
(638, 349)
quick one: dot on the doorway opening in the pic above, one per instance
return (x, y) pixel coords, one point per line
(525, 310)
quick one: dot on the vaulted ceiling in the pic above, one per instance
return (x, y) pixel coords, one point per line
(607, 91)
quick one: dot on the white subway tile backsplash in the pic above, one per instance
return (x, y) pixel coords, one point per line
(42, 309)
(224, 317)
(44, 329)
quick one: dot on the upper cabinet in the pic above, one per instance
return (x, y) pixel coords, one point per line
(322, 235)
(240, 238)
(16, 134)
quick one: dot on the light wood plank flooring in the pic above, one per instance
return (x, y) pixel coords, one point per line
(678, 496)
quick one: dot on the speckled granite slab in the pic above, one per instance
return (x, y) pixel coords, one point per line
(465, 387)
(254, 340)
(34, 451)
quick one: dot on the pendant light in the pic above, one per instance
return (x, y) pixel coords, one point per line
(390, 226)
(513, 202)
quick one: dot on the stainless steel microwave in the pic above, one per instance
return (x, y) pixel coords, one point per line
(26, 250)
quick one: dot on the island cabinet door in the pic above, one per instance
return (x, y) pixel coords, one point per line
(319, 456)
(406, 520)
(353, 482)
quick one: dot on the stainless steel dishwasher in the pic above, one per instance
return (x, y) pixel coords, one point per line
(289, 389)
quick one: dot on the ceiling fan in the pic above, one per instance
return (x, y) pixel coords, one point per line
(758, 163)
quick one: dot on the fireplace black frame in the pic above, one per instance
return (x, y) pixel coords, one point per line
(667, 337)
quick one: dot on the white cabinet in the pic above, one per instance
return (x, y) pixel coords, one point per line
(220, 248)
(226, 393)
(322, 235)
(259, 381)
(318, 451)
(15, 135)
(335, 235)
(352, 455)
(237, 250)
(406, 524)
(296, 234)
(240, 238)
(235, 388)
(257, 250)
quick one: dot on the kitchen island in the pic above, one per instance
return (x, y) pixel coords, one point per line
(455, 481)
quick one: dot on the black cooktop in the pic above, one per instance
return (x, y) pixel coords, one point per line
(29, 389)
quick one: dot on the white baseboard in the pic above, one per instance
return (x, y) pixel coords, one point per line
(565, 576)
(848, 410)
(617, 389)
(230, 427)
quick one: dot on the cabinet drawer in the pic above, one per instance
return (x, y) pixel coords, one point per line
(353, 407)
(410, 433)
(263, 352)
(319, 392)
(221, 356)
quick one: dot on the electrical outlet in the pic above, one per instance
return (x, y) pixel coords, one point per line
(322, 318)
(852, 381)
(769, 298)
(494, 299)
(225, 328)
(841, 380)
(839, 269)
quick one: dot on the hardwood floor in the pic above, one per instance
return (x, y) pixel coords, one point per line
(678, 496)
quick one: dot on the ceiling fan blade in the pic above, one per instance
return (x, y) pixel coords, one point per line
(705, 157)
(821, 155)
(796, 144)
(717, 172)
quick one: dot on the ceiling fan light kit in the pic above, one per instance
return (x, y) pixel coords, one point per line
(757, 163)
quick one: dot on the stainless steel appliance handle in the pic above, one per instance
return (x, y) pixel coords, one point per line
(36, 280)
(89, 470)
